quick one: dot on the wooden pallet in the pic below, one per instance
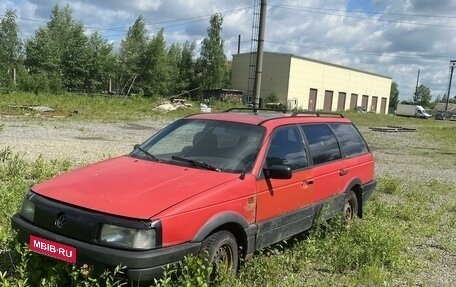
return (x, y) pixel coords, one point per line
(392, 129)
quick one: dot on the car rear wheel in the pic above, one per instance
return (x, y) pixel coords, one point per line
(350, 208)
(222, 251)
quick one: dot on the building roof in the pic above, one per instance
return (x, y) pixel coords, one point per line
(320, 62)
(441, 107)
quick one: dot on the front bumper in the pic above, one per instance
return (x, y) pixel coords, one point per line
(143, 265)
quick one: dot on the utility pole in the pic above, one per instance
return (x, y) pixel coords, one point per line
(452, 65)
(415, 98)
(259, 60)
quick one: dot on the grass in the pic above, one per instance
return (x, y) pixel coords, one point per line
(95, 107)
(408, 224)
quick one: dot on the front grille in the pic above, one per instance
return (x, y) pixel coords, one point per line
(75, 222)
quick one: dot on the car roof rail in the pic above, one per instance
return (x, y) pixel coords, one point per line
(254, 110)
(317, 114)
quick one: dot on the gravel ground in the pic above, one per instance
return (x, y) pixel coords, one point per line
(396, 154)
(401, 155)
(78, 142)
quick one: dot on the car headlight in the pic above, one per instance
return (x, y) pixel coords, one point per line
(28, 208)
(125, 237)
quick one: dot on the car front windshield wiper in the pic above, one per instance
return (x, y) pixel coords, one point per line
(196, 163)
(147, 153)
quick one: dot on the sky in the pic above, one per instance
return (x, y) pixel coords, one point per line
(387, 37)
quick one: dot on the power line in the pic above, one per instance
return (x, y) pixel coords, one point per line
(190, 20)
(185, 21)
(367, 52)
(368, 12)
(298, 8)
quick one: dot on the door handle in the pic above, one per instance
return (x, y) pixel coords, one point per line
(343, 172)
(309, 181)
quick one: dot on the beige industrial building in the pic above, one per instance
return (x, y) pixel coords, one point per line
(307, 84)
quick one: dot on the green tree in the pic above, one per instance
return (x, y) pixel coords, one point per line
(212, 62)
(10, 48)
(74, 58)
(131, 55)
(187, 78)
(423, 96)
(59, 51)
(43, 64)
(39, 52)
(101, 63)
(156, 68)
(174, 59)
(444, 99)
(394, 96)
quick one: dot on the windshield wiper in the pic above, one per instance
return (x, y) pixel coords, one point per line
(196, 163)
(148, 154)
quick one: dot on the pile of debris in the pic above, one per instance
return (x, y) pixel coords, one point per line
(173, 105)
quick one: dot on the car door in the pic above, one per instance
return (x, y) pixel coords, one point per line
(328, 168)
(281, 203)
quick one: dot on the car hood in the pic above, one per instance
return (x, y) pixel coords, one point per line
(130, 187)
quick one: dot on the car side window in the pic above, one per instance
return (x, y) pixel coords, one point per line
(287, 148)
(323, 146)
(350, 140)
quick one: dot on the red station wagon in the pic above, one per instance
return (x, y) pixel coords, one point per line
(224, 183)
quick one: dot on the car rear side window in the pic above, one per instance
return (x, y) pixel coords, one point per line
(350, 140)
(323, 146)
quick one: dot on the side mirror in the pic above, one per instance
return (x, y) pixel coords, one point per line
(278, 172)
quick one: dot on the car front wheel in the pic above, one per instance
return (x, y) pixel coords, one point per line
(222, 251)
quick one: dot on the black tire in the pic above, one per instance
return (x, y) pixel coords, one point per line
(223, 252)
(350, 207)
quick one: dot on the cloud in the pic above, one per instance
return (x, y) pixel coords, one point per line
(388, 37)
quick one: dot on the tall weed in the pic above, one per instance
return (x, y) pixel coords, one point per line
(32, 269)
(16, 176)
(389, 185)
(192, 271)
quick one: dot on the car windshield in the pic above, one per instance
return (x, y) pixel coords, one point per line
(209, 144)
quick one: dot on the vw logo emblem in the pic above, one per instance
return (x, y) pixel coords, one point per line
(61, 220)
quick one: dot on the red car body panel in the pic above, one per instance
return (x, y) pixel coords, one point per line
(182, 222)
(281, 196)
(130, 187)
(358, 167)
